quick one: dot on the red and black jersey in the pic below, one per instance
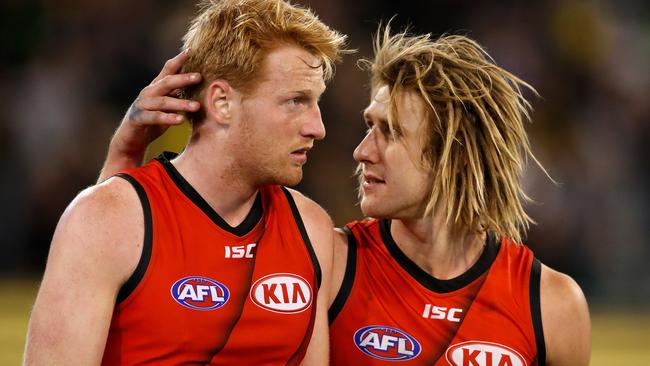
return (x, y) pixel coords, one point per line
(208, 293)
(388, 309)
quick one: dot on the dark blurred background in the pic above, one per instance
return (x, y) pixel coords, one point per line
(70, 69)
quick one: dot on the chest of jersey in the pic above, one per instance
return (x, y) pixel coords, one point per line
(217, 295)
(395, 313)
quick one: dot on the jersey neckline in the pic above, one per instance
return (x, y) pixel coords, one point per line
(249, 223)
(481, 266)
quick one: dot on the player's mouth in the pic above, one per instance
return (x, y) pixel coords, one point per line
(371, 181)
(300, 155)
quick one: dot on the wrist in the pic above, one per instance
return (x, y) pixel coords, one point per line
(120, 148)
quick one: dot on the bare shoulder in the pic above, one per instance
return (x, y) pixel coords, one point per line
(114, 193)
(104, 223)
(340, 239)
(317, 221)
(340, 254)
(310, 210)
(565, 319)
(339, 264)
(109, 205)
(96, 245)
(319, 227)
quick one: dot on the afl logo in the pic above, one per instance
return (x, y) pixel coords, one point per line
(200, 293)
(386, 343)
(482, 354)
(282, 293)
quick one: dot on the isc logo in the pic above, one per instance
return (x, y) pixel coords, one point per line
(282, 293)
(386, 343)
(474, 353)
(440, 312)
(200, 293)
(240, 251)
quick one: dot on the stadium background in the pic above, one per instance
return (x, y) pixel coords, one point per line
(70, 69)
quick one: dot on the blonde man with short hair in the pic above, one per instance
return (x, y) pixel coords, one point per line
(193, 259)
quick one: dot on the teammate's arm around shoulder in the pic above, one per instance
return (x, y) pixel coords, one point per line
(565, 319)
(153, 111)
(320, 230)
(95, 248)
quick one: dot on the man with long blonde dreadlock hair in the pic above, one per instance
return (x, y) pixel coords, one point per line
(437, 274)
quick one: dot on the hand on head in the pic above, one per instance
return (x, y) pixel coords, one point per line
(157, 106)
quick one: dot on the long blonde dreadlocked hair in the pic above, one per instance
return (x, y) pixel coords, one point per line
(475, 143)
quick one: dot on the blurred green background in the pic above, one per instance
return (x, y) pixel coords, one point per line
(70, 69)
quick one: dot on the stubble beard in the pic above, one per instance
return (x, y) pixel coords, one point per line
(262, 163)
(265, 172)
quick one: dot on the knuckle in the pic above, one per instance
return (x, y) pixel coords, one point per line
(134, 113)
(139, 106)
(146, 90)
(160, 103)
(160, 116)
(166, 80)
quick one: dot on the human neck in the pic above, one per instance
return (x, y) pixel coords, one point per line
(436, 248)
(212, 171)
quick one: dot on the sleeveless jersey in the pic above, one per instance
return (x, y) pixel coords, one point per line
(390, 311)
(208, 293)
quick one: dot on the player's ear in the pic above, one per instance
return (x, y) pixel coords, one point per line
(221, 100)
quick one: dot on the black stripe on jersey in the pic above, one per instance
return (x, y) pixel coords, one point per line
(145, 257)
(242, 229)
(305, 237)
(425, 279)
(536, 310)
(348, 278)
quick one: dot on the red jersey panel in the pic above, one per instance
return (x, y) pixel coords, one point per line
(391, 311)
(208, 293)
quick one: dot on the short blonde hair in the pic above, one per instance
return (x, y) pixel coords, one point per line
(229, 40)
(475, 144)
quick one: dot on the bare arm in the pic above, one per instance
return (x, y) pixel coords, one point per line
(94, 250)
(339, 263)
(153, 111)
(565, 319)
(320, 230)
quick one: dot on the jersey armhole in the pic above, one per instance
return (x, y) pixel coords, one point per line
(305, 237)
(135, 278)
(535, 310)
(348, 278)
